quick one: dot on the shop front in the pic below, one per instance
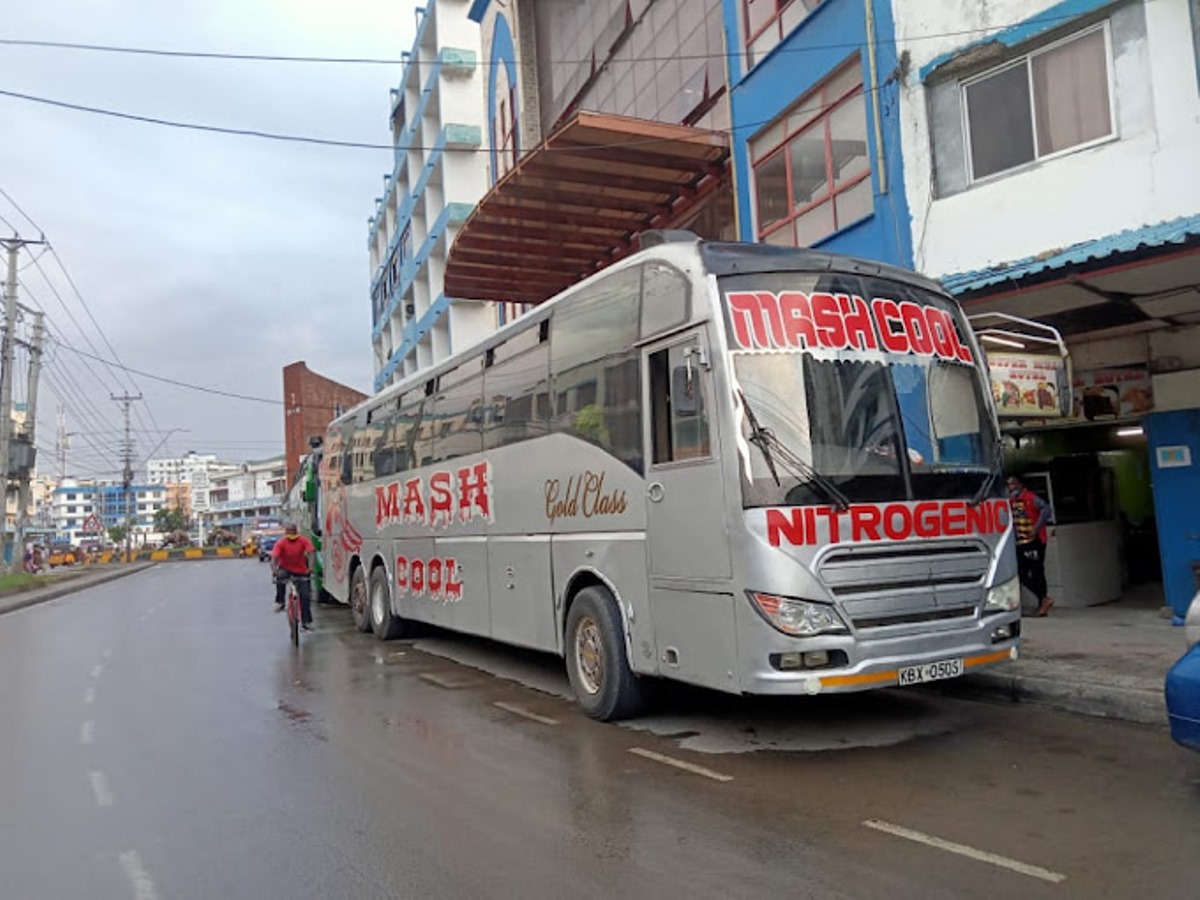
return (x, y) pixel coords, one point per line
(1119, 463)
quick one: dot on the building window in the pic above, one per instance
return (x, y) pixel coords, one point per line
(505, 139)
(769, 21)
(812, 173)
(1056, 99)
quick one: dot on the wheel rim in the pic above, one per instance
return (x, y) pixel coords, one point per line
(377, 604)
(589, 655)
(358, 598)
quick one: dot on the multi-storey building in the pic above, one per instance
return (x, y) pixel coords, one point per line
(437, 126)
(310, 402)
(1049, 157)
(236, 499)
(83, 511)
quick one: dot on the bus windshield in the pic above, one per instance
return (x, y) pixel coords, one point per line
(855, 390)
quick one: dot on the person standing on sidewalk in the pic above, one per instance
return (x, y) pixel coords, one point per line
(1031, 515)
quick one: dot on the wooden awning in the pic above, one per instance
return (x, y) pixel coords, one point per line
(575, 204)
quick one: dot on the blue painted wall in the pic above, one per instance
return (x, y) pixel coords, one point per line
(503, 53)
(816, 47)
(1175, 507)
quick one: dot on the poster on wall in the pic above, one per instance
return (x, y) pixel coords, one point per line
(1025, 386)
(1112, 394)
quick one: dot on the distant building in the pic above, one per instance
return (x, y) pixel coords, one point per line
(83, 511)
(311, 402)
(236, 499)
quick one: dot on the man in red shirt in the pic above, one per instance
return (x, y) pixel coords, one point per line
(1031, 515)
(290, 559)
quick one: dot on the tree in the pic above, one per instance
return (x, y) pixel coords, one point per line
(117, 533)
(168, 521)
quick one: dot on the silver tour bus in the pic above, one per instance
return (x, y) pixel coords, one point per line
(756, 469)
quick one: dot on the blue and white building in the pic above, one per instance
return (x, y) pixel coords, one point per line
(440, 170)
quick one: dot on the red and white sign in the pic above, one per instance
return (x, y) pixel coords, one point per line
(436, 578)
(1024, 385)
(806, 526)
(793, 320)
(464, 494)
(92, 525)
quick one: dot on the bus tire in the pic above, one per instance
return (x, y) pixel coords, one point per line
(360, 600)
(597, 666)
(385, 623)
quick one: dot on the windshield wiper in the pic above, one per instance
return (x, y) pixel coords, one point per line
(771, 447)
(992, 476)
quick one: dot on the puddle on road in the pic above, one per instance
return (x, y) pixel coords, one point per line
(716, 723)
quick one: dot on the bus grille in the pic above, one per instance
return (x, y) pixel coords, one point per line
(884, 586)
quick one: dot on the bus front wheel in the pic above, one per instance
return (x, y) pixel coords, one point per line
(359, 600)
(597, 665)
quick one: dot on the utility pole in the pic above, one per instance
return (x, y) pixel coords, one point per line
(126, 400)
(24, 476)
(60, 444)
(13, 245)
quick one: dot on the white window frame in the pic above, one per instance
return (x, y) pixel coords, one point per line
(1026, 60)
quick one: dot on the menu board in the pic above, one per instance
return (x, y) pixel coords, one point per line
(1112, 394)
(1025, 385)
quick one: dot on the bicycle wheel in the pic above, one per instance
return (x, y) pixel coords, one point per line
(293, 614)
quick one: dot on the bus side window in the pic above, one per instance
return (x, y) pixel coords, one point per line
(678, 408)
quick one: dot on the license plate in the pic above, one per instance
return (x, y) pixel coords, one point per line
(934, 671)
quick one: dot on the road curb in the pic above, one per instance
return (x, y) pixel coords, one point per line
(1129, 704)
(44, 595)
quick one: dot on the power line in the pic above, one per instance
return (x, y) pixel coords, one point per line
(403, 60)
(165, 379)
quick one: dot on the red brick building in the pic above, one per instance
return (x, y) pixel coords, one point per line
(311, 402)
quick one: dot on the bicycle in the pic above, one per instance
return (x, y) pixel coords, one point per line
(293, 611)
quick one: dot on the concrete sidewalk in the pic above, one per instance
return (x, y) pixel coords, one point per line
(1105, 660)
(94, 575)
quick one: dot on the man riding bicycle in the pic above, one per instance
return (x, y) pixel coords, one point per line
(290, 559)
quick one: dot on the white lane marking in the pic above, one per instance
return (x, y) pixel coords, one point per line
(89, 696)
(440, 681)
(139, 878)
(994, 859)
(97, 669)
(87, 732)
(679, 764)
(522, 711)
(100, 787)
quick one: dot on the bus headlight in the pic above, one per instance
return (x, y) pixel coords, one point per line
(1002, 597)
(800, 618)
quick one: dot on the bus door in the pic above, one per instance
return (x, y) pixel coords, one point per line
(687, 542)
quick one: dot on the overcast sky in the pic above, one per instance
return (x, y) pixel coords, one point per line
(205, 258)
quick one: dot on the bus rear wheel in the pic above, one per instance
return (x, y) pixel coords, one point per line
(359, 600)
(597, 665)
(386, 624)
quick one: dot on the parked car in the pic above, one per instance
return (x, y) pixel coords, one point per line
(1183, 684)
(266, 542)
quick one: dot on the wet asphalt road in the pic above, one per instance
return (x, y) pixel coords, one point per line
(159, 738)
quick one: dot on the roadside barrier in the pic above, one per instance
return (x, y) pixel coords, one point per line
(173, 554)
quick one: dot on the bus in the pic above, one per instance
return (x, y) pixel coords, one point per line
(755, 469)
(302, 508)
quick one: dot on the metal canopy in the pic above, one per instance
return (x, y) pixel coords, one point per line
(574, 204)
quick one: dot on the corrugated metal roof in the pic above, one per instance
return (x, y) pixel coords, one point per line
(1176, 231)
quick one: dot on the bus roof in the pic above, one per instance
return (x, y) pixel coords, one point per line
(718, 257)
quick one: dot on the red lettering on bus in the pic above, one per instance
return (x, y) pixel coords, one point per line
(452, 587)
(832, 521)
(927, 519)
(860, 334)
(980, 519)
(434, 577)
(402, 573)
(827, 316)
(886, 312)
(474, 492)
(387, 504)
(796, 317)
(916, 328)
(941, 333)
(954, 518)
(441, 499)
(781, 527)
(746, 315)
(864, 523)
(414, 503)
(417, 576)
(773, 318)
(897, 522)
